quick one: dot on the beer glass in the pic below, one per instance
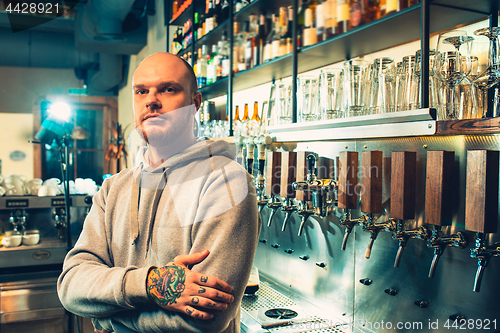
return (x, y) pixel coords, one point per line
(354, 87)
(307, 98)
(331, 93)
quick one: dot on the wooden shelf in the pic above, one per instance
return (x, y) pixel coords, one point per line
(468, 126)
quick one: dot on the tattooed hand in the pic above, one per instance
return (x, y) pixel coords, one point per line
(176, 288)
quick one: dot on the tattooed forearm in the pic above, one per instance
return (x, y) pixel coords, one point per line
(166, 284)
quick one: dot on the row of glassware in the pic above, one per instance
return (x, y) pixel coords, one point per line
(459, 66)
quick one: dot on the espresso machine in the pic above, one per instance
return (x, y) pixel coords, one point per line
(29, 272)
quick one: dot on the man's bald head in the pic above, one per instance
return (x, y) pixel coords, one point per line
(157, 59)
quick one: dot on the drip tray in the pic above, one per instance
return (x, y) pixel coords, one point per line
(274, 312)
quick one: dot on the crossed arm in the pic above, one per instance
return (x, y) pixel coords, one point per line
(174, 287)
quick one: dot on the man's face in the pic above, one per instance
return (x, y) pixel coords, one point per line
(160, 89)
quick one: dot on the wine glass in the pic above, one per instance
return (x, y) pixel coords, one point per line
(452, 65)
(485, 71)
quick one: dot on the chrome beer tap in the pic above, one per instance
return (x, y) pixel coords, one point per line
(274, 203)
(481, 206)
(403, 236)
(288, 207)
(403, 181)
(304, 211)
(374, 228)
(318, 187)
(440, 242)
(483, 254)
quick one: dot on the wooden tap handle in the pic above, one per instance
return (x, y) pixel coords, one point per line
(439, 187)
(302, 170)
(403, 184)
(288, 173)
(348, 180)
(481, 191)
(273, 173)
(371, 181)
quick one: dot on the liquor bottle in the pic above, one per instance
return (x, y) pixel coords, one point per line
(276, 39)
(392, 6)
(268, 48)
(211, 66)
(330, 12)
(261, 40)
(242, 42)
(343, 16)
(383, 8)
(209, 21)
(225, 11)
(372, 10)
(201, 73)
(250, 46)
(320, 22)
(224, 55)
(283, 26)
(310, 35)
(300, 22)
(289, 31)
(218, 11)
(356, 13)
(236, 46)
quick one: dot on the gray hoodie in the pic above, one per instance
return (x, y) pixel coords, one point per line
(198, 199)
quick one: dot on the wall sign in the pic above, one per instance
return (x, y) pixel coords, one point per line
(17, 155)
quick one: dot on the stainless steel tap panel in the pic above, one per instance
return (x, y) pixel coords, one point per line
(413, 299)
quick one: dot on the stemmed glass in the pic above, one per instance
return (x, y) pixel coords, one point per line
(486, 67)
(452, 65)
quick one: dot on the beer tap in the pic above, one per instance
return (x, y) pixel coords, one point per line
(260, 182)
(288, 175)
(403, 182)
(371, 198)
(438, 204)
(305, 209)
(439, 243)
(319, 188)
(483, 255)
(273, 177)
(481, 206)
(403, 187)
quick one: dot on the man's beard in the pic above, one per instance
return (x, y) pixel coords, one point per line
(165, 130)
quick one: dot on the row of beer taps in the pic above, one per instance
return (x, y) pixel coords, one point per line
(294, 177)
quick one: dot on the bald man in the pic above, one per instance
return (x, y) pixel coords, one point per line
(168, 245)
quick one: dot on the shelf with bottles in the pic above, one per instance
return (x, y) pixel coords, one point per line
(183, 11)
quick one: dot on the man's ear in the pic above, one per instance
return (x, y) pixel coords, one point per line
(197, 100)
